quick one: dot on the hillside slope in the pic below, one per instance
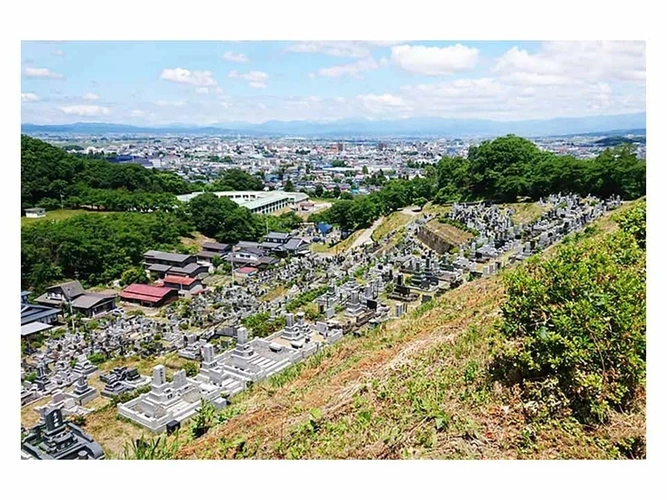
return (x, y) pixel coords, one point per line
(417, 387)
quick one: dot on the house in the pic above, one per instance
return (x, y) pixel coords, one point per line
(149, 295)
(36, 318)
(72, 295)
(212, 249)
(154, 257)
(161, 263)
(275, 237)
(192, 270)
(183, 284)
(215, 247)
(296, 246)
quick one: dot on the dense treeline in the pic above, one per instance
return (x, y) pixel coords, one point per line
(235, 179)
(95, 248)
(50, 176)
(224, 220)
(501, 170)
(575, 325)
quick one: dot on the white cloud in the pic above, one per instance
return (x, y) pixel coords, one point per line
(29, 97)
(353, 69)
(175, 104)
(41, 73)
(434, 61)
(336, 49)
(312, 75)
(572, 61)
(256, 79)
(58, 52)
(85, 110)
(137, 112)
(91, 97)
(202, 90)
(231, 57)
(384, 104)
(181, 75)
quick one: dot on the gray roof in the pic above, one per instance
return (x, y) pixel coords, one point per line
(34, 328)
(168, 256)
(71, 289)
(159, 268)
(215, 246)
(295, 244)
(206, 253)
(89, 300)
(277, 236)
(33, 312)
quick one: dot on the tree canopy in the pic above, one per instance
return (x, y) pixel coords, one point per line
(48, 173)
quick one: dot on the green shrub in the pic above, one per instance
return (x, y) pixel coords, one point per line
(97, 358)
(575, 328)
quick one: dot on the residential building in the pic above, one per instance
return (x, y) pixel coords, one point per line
(149, 295)
(72, 295)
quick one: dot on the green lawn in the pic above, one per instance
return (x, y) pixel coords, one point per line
(59, 215)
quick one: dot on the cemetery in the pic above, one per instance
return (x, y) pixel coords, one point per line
(305, 303)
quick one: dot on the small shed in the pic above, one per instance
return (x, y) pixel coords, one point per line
(34, 213)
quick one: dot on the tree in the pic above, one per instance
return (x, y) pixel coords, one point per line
(498, 168)
(289, 186)
(319, 190)
(134, 275)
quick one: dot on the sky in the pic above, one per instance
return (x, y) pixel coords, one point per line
(210, 82)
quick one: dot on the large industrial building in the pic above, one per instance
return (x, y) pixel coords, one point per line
(258, 202)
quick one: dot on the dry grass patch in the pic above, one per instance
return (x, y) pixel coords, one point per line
(391, 223)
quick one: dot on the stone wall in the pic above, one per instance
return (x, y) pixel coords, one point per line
(433, 241)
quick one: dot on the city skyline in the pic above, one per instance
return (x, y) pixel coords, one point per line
(204, 83)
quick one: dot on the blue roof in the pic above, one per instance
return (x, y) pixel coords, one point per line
(324, 228)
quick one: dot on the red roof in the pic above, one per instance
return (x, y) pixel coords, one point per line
(146, 293)
(246, 270)
(178, 280)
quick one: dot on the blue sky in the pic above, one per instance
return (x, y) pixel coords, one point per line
(205, 82)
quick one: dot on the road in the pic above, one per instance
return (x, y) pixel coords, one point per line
(366, 235)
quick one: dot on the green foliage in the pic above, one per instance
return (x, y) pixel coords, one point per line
(575, 327)
(204, 419)
(97, 358)
(151, 448)
(457, 224)
(261, 325)
(124, 397)
(633, 222)
(221, 218)
(191, 368)
(31, 377)
(304, 298)
(93, 248)
(236, 179)
(49, 173)
(135, 274)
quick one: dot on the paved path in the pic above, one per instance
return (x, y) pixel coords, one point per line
(366, 235)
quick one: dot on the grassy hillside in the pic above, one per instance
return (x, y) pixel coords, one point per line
(424, 386)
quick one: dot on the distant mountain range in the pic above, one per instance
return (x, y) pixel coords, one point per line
(409, 127)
